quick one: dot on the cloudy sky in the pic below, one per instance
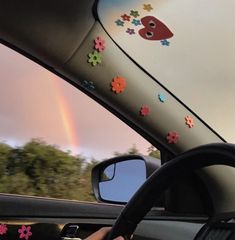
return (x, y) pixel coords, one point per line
(37, 104)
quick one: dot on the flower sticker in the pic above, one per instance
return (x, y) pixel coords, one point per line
(162, 97)
(25, 232)
(89, 85)
(118, 84)
(136, 22)
(144, 110)
(130, 31)
(134, 14)
(94, 58)
(165, 43)
(125, 17)
(189, 121)
(147, 7)
(3, 229)
(99, 44)
(119, 23)
(172, 137)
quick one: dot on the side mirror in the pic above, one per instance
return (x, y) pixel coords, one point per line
(117, 179)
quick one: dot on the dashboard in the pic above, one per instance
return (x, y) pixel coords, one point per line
(220, 227)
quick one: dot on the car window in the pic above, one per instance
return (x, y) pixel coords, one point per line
(52, 134)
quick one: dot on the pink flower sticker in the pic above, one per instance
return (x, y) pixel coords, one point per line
(189, 121)
(99, 44)
(172, 137)
(144, 111)
(3, 229)
(25, 232)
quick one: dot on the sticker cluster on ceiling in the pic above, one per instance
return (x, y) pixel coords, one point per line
(24, 232)
(146, 26)
(173, 136)
(95, 57)
(119, 83)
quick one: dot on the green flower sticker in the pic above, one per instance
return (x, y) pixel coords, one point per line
(135, 14)
(94, 58)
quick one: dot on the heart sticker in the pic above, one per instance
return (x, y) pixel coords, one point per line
(154, 29)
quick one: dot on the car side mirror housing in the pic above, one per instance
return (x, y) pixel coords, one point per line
(117, 179)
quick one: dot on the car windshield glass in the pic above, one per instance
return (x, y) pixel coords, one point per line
(50, 130)
(188, 46)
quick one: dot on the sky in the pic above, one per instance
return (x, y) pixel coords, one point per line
(35, 103)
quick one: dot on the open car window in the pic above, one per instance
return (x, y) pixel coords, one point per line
(50, 130)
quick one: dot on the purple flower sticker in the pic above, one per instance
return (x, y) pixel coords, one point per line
(130, 31)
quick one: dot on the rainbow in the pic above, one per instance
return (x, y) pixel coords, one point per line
(66, 116)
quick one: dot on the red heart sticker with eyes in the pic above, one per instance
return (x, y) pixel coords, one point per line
(154, 29)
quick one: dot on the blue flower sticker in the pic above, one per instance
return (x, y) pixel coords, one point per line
(136, 22)
(165, 43)
(119, 23)
(89, 85)
(162, 97)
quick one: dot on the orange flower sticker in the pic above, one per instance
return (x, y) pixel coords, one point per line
(189, 121)
(118, 84)
(148, 7)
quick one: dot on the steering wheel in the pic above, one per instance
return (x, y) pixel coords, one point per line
(144, 199)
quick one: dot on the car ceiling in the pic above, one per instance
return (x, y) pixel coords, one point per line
(54, 35)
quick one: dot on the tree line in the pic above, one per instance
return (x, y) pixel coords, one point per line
(40, 169)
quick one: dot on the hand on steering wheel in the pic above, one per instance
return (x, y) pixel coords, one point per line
(144, 199)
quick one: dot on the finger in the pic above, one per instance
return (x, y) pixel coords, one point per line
(100, 234)
(119, 238)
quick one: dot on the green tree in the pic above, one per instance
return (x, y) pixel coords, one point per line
(85, 181)
(42, 170)
(4, 154)
(154, 152)
(132, 150)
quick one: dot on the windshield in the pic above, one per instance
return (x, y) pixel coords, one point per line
(188, 46)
